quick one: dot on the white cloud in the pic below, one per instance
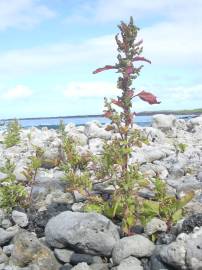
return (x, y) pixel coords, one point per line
(186, 93)
(174, 41)
(95, 51)
(22, 13)
(174, 44)
(18, 92)
(91, 89)
(177, 96)
(172, 31)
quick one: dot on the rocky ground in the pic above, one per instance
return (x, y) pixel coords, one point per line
(57, 235)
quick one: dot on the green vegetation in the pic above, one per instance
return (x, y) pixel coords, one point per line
(30, 172)
(177, 112)
(125, 203)
(12, 136)
(74, 164)
(164, 206)
(12, 193)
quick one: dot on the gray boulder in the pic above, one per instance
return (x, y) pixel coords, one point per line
(96, 145)
(185, 183)
(3, 257)
(154, 135)
(78, 137)
(81, 266)
(155, 225)
(154, 154)
(194, 254)
(20, 218)
(174, 254)
(130, 263)
(195, 122)
(185, 252)
(89, 233)
(94, 130)
(18, 172)
(64, 255)
(163, 121)
(199, 176)
(136, 245)
(7, 235)
(194, 250)
(28, 251)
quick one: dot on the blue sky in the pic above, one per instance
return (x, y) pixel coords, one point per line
(49, 48)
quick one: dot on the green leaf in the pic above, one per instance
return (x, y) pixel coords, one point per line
(149, 210)
(185, 199)
(177, 215)
(93, 208)
(130, 220)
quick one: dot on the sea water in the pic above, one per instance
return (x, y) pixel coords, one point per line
(79, 120)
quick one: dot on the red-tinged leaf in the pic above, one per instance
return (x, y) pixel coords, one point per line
(117, 102)
(107, 67)
(108, 114)
(148, 97)
(141, 58)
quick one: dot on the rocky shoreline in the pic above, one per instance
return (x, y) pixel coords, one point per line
(56, 234)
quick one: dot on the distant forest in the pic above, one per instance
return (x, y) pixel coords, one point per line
(178, 112)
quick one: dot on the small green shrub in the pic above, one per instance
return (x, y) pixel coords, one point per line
(74, 165)
(179, 148)
(12, 136)
(12, 193)
(30, 172)
(61, 129)
(124, 202)
(77, 180)
(164, 206)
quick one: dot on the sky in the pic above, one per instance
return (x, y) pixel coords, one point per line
(49, 48)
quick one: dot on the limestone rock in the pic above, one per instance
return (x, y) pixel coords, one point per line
(28, 250)
(136, 245)
(89, 233)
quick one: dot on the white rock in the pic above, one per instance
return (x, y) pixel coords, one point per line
(96, 145)
(136, 245)
(163, 121)
(93, 130)
(78, 137)
(18, 172)
(81, 266)
(155, 225)
(20, 218)
(130, 263)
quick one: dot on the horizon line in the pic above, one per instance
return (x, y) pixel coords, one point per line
(183, 111)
